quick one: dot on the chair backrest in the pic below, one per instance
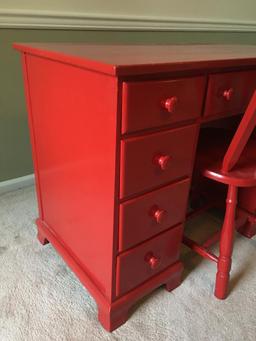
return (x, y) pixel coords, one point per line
(241, 136)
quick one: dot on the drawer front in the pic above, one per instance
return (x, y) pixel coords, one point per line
(156, 159)
(158, 103)
(144, 261)
(152, 213)
(229, 93)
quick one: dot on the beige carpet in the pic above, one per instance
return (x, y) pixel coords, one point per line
(40, 299)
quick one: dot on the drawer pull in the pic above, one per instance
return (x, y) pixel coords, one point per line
(227, 94)
(170, 103)
(152, 260)
(162, 161)
(158, 214)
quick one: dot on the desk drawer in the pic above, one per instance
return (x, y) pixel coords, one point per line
(152, 104)
(144, 261)
(143, 217)
(156, 159)
(229, 93)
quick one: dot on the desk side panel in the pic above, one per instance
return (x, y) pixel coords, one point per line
(73, 115)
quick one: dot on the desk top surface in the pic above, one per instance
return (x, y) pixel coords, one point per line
(143, 59)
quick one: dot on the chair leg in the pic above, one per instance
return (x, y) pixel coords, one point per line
(226, 244)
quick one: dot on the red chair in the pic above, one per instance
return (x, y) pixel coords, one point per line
(235, 168)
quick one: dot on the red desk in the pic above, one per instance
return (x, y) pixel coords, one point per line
(114, 132)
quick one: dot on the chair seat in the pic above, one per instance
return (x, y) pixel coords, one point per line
(212, 148)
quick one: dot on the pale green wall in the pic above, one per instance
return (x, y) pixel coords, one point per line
(227, 10)
(15, 159)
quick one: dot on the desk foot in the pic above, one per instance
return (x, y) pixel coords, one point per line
(112, 312)
(111, 318)
(113, 315)
(175, 281)
(248, 229)
(40, 236)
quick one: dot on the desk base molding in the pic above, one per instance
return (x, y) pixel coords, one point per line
(111, 314)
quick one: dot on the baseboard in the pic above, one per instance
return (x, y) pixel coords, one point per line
(17, 183)
(76, 21)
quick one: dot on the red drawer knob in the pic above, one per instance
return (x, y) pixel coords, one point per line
(158, 214)
(162, 161)
(170, 103)
(227, 94)
(153, 262)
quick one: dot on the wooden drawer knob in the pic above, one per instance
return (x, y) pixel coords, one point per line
(153, 261)
(158, 214)
(227, 94)
(162, 161)
(169, 104)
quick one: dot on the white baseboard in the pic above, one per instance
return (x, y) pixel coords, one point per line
(17, 183)
(76, 21)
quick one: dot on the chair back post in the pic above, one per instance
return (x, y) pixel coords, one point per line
(241, 136)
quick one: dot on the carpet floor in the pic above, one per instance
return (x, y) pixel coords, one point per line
(41, 300)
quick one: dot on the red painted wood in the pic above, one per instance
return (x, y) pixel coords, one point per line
(75, 164)
(153, 104)
(226, 245)
(247, 199)
(113, 314)
(210, 155)
(140, 172)
(243, 175)
(246, 221)
(79, 99)
(229, 93)
(139, 218)
(241, 136)
(144, 261)
(169, 104)
(144, 59)
(42, 237)
(199, 249)
(32, 138)
(236, 168)
(214, 238)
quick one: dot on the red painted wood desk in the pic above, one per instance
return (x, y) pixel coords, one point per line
(114, 132)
